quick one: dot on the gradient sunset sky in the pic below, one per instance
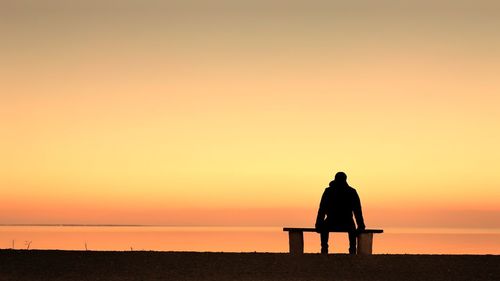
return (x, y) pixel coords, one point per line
(240, 112)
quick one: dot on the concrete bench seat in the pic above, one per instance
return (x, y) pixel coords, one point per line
(296, 239)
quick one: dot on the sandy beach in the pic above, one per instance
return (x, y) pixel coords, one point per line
(146, 265)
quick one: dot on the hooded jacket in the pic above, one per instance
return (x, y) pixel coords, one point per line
(338, 203)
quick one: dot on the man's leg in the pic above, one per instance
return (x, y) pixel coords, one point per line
(352, 242)
(324, 241)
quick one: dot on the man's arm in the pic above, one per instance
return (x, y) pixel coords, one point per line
(358, 214)
(322, 210)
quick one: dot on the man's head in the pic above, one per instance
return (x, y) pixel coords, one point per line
(341, 177)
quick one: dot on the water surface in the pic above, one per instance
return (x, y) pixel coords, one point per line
(241, 239)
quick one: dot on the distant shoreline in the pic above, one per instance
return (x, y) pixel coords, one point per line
(56, 251)
(137, 225)
(152, 265)
(72, 225)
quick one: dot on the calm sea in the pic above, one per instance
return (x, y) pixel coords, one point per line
(241, 239)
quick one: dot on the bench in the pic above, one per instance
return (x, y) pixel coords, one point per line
(296, 239)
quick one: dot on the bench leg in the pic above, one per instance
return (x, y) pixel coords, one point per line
(365, 243)
(296, 241)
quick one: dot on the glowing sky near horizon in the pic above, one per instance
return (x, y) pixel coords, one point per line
(240, 112)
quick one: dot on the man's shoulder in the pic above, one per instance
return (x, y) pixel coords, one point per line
(352, 189)
(328, 190)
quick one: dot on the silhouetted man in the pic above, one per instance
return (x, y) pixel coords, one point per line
(338, 203)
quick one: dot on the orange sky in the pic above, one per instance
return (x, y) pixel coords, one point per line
(241, 112)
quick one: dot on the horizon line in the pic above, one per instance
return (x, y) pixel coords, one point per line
(131, 225)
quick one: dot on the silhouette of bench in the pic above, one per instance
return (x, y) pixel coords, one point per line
(296, 239)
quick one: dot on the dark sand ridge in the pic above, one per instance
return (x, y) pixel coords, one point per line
(144, 265)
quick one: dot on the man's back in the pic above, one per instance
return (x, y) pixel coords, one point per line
(338, 203)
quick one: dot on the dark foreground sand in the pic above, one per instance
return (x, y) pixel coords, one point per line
(83, 265)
